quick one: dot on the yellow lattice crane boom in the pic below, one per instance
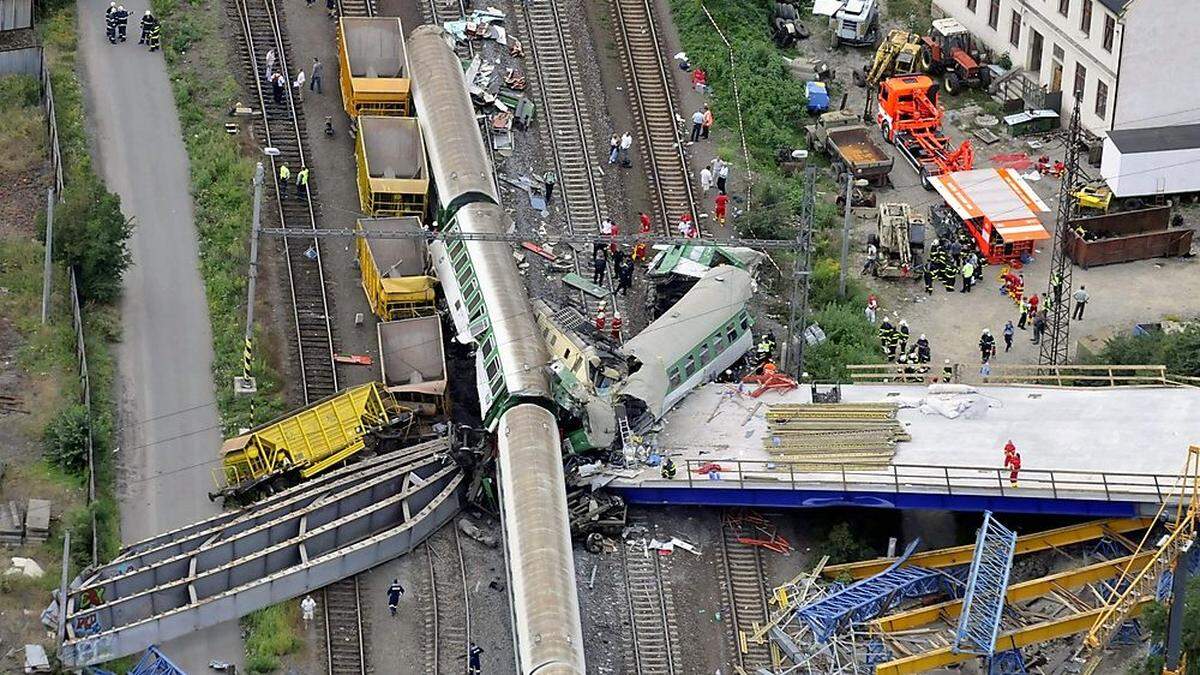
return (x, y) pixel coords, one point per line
(1140, 579)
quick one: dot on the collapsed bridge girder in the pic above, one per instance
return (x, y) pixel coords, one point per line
(289, 544)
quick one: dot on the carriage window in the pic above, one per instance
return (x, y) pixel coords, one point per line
(745, 322)
(493, 368)
(717, 343)
(703, 354)
(673, 377)
(732, 334)
(690, 368)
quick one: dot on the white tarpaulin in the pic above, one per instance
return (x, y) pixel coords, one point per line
(827, 7)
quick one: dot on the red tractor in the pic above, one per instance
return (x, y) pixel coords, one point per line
(951, 50)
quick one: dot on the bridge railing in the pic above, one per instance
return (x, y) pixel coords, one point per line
(1022, 374)
(916, 478)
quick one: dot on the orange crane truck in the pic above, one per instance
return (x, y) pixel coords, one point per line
(910, 118)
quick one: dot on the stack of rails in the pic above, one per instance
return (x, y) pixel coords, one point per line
(833, 436)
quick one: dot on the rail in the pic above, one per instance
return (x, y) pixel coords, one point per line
(650, 88)
(261, 31)
(918, 478)
(1101, 375)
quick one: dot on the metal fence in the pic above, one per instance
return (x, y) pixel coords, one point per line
(918, 478)
(1025, 375)
(52, 130)
(85, 392)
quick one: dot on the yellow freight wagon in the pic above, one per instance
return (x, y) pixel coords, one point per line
(395, 272)
(306, 442)
(392, 178)
(374, 67)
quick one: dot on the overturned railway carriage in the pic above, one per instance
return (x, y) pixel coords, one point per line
(308, 441)
(492, 310)
(374, 73)
(704, 333)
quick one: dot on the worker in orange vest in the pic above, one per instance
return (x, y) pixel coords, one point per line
(616, 326)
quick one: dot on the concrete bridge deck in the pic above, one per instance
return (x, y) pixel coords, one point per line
(1085, 451)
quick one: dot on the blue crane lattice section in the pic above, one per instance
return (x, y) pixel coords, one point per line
(867, 599)
(987, 585)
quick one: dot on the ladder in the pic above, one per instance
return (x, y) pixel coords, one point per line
(624, 430)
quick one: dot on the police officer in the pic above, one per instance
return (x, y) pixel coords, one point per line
(148, 23)
(474, 667)
(122, 17)
(394, 592)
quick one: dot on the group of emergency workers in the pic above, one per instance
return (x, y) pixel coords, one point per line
(116, 22)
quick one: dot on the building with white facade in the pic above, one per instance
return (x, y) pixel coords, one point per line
(1134, 61)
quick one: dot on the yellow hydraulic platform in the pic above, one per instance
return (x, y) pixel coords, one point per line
(305, 442)
(392, 175)
(395, 272)
(374, 74)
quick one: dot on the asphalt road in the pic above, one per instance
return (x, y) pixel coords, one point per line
(169, 418)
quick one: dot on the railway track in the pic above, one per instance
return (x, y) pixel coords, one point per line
(282, 127)
(356, 8)
(650, 95)
(570, 131)
(439, 12)
(448, 621)
(652, 616)
(345, 648)
(746, 598)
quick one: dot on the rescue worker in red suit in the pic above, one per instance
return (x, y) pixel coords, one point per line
(1012, 462)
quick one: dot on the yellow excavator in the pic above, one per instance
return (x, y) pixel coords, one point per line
(899, 54)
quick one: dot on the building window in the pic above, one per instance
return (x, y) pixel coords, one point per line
(1014, 31)
(1101, 99)
(1064, 7)
(1080, 80)
(1110, 29)
(994, 14)
(1085, 17)
(971, 5)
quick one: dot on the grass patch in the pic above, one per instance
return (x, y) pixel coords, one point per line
(773, 107)
(912, 14)
(222, 189)
(270, 634)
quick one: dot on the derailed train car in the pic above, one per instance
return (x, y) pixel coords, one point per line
(693, 342)
(492, 311)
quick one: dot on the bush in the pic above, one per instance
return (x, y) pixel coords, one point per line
(91, 236)
(19, 91)
(270, 634)
(1155, 618)
(1179, 352)
(842, 546)
(65, 440)
(850, 338)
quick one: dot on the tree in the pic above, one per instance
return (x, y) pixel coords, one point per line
(65, 440)
(91, 236)
(1155, 619)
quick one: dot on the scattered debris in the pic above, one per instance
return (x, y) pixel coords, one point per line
(354, 359)
(36, 660)
(471, 530)
(37, 521)
(25, 566)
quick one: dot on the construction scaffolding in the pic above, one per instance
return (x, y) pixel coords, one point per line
(987, 583)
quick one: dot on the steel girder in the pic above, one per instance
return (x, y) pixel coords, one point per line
(987, 586)
(290, 544)
(868, 598)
